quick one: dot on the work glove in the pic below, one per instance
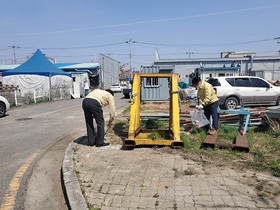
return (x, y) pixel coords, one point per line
(199, 107)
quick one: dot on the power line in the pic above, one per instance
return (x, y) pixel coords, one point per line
(75, 48)
(181, 45)
(206, 45)
(130, 42)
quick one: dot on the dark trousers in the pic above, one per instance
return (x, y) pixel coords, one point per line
(212, 110)
(93, 110)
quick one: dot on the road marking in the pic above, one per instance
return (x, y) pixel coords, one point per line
(7, 122)
(11, 193)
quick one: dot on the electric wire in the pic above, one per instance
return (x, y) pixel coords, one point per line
(205, 45)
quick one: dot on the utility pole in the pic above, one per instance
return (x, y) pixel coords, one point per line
(277, 38)
(14, 51)
(130, 56)
(189, 53)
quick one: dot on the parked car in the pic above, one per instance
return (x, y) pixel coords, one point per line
(4, 106)
(117, 88)
(126, 92)
(232, 90)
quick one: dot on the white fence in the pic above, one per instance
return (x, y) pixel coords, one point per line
(15, 97)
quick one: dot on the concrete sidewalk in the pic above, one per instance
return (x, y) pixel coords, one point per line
(110, 178)
(150, 178)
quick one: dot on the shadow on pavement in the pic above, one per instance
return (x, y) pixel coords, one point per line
(82, 140)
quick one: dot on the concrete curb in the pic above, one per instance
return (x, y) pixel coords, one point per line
(76, 200)
(74, 195)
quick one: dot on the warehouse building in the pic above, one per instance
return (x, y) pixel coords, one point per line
(229, 63)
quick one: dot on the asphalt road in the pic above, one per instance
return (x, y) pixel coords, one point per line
(32, 144)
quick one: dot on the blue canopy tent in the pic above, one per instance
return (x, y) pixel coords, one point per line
(39, 65)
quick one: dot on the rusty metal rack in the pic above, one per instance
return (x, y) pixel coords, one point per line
(240, 142)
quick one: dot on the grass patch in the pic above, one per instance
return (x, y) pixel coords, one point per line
(155, 135)
(154, 124)
(120, 127)
(227, 134)
(264, 143)
(264, 148)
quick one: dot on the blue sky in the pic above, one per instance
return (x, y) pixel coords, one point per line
(78, 30)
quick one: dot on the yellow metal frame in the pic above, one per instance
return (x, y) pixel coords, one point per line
(139, 136)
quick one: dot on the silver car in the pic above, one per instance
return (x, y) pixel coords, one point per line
(4, 106)
(232, 90)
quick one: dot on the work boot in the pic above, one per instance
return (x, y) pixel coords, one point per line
(212, 132)
(102, 145)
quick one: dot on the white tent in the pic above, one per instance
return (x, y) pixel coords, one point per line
(39, 76)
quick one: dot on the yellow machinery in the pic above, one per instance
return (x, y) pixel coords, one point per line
(140, 136)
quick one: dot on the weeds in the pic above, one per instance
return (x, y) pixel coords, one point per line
(188, 172)
(176, 172)
(264, 143)
(156, 203)
(175, 206)
(156, 195)
(264, 154)
(154, 135)
(75, 149)
(154, 124)
(77, 172)
(91, 207)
